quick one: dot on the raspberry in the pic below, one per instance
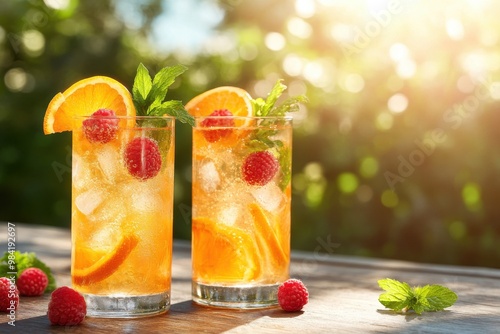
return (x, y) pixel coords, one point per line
(215, 135)
(259, 168)
(9, 295)
(66, 307)
(101, 127)
(292, 295)
(32, 282)
(142, 158)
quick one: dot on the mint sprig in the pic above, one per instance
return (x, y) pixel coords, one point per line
(400, 297)
(262, 137)
(24, 261)
(268, 106)
(148, 94)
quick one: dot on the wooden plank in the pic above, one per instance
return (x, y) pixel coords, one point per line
(344, 298)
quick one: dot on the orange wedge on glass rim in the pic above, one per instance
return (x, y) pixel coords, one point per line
(84, 98)
(223, 253)
(235, 100)
(105, 265)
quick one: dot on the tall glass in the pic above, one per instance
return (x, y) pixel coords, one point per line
(241, 210)
(122, 195)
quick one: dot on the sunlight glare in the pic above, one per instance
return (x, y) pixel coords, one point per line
(293, 65)
(354, 83)
(305, 8)
(406, 69)
(397, 103)
(319, 73)
(341, 32)
(384, 121)
(300, 28)
(34, 42)
(57, 4)
(399, 52)
(275, 41)
(455, 29)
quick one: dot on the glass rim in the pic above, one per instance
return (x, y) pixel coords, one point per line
(166, 117)
(285, 117)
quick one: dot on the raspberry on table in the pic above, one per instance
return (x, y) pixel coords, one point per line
(143, 158)
(214, 135)
(66, 307)
(101, 127)
(292, 295)
(259, 168)
(32, 282)
(9, 295)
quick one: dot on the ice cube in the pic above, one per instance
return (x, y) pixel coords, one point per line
(109, 163)
(229, 215)
(270, 197)
(146, 198)
(106, 236)
(80, 174)
(208, 176)
(89, 200)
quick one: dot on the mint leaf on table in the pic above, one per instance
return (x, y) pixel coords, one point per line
(148, 94)
(24, 261)
(399, 296)
(262, 138)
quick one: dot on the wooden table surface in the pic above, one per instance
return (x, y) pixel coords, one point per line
(343, 297)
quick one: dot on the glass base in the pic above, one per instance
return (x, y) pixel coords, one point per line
(126, 306)
(239, 296)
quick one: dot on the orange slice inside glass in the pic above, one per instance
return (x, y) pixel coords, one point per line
(267, 239)
(84, 98)
(100, 266)
(222, 253)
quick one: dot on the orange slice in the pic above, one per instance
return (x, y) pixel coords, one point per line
(84, 98)
(106, 265)
(222, 253)
(234, 99)
(267, 239)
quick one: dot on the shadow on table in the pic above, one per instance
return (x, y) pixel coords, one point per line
(183, 317)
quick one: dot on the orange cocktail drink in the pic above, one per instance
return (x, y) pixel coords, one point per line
(122, 189)
(122, 214)
(241, 196)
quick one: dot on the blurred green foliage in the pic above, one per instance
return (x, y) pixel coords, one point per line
(395, 155)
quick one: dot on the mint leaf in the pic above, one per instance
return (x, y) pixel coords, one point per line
(289, 105)
(435, 297)
(399, 296)
(141, 88)
(268, 106)
(162, 80)
(263, 108)
(24, 261)
(174, 108)
(149, 93)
